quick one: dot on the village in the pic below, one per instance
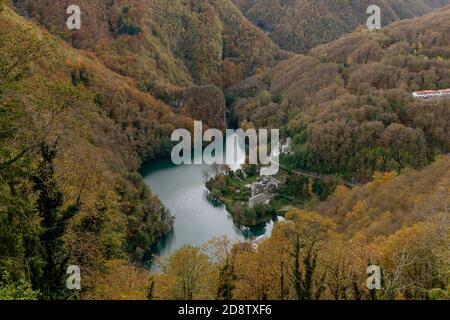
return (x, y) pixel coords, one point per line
(263, 189)
(246, 193)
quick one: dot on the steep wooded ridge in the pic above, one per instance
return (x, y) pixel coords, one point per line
(166, 46)
(349, 103)
(299, 25)
(82, 131)
(77, 123)
(79, 116)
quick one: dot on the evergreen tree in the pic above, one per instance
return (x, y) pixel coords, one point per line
(54, 223)
(305, 280)
(226, 279)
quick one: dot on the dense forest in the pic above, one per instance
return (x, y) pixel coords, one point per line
(324, 254)
(349, 107)
(73, 135)
(165, 46)
(348, 104)
(81, 111)
(299, 25)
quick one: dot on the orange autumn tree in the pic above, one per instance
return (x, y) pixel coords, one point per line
(186, 275)
(416, 259)
(121, 281)
(289, 264)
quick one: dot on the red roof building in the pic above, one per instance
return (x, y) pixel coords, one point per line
(428, 94)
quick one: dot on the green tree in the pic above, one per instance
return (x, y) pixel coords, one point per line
(307, 232)
(54, 223)
(20, 256)
(20, 290)
(226, 280)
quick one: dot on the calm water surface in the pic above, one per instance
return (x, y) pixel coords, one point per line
(197, 219)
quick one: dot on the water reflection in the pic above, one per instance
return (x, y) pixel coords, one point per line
(197, 218)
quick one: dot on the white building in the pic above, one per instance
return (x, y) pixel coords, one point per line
(287, 147)
(429, 94)
(267, 184)
(262, 198)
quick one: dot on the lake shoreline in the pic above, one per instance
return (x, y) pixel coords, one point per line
(182, 191)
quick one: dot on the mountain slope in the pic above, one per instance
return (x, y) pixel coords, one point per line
(349, 103)
(390, 201)
(299, 25)
(100, 128)
(397, 223)
(163, 44)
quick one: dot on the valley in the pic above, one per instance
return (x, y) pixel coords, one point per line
(299, 26)
(86, 118)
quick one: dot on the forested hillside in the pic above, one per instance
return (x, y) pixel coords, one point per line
(80, 112)
(400, 223)
(73, 134)
(164, 45)
(76, 124)
(349, 103)
(299, 25)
